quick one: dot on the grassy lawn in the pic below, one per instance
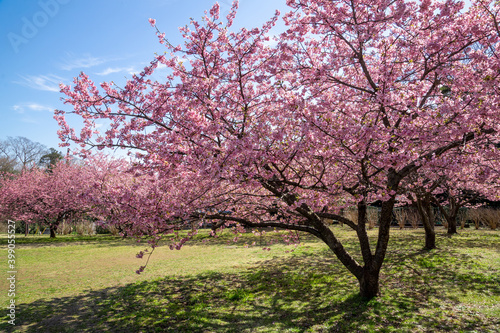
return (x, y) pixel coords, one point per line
(88, 284)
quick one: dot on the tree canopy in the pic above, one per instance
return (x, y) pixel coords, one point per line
(339, 110)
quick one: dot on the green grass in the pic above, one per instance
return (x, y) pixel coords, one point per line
(76, 284)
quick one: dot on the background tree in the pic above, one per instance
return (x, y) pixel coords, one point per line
(50, 159)
(7, 164)
(477, 185)
(35, 196)
(449, 189)
(337, 113)
(25, 152)
(420, 192)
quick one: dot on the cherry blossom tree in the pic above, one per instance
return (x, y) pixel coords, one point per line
(478, 183)
(38, 196)
(335, 112)
(449, 192)
(125, 198)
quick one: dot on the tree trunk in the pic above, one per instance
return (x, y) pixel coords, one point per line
(369, 278)
(452, 221)
(430, 239)
(424, 209)
(369, 284)
(53, 229)
(452, 225)
(450, 215)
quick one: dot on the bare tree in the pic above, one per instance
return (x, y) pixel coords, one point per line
(22, 150)
(7, 162)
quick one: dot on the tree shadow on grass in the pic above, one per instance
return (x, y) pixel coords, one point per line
(296, 293)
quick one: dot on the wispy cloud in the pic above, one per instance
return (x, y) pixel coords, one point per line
(111, 70)
(23, 107)
(18, 108)
(72, 62)
(41, 82)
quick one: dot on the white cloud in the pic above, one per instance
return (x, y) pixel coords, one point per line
(21, 108)
(41, 82)
(111, 70)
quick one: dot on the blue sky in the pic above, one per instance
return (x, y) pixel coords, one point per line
(43, 43)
